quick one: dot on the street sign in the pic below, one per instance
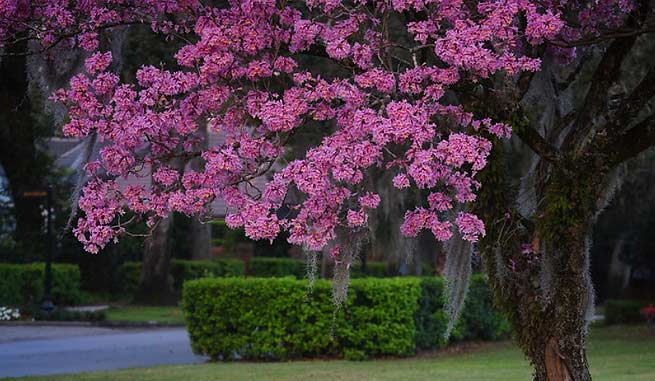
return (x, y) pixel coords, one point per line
(35, 194)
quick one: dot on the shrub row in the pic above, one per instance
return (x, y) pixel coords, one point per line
(269, 267)
(256, 318)
(266, 267)
(259, 267)
(181, 270)
(624, 311)
(22, 284)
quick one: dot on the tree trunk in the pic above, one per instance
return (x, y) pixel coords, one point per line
(154, 283)
(555, 362)
(538, 265)
(565, 323)
(25, 168)
(616, 272)
(548, 299)
(201, 235)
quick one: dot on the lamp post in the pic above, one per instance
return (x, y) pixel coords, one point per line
(47, 306)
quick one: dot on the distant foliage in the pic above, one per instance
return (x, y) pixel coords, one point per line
(22, 285)
(624, 311)
(478, 320)
(277, 267)
(180, 270)
(648, 313)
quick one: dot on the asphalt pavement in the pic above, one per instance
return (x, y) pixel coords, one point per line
(42, 350)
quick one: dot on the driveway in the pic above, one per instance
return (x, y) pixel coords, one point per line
(40, 350)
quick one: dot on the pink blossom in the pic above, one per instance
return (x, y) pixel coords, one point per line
(369, 200)
(356, 218)
(165, 176)
(98, 62)
(470, 226)
(440, 201)
(380, 106)
(401, 181)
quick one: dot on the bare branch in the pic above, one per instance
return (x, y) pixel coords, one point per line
(595, 101)
(538, 144)
(637, 100)
(633, 142)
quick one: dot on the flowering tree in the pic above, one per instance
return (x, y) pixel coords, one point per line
(398, 97)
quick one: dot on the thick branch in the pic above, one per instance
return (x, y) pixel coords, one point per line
(604, 37)
(596, 99)
(641, 95)
(538, 144)
(633, 142)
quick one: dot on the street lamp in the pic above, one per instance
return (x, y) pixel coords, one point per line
(47, 306)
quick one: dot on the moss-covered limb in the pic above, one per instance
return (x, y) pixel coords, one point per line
(500, 251)
(538, 268)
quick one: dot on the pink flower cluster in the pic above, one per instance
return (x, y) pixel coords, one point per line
(243, 77)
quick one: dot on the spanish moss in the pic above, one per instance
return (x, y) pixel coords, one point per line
(312, 267)
(349, 245)
(89, 149)
(457, 273)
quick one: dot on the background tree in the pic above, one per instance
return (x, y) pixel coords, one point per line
(623, 234)
(25, 165)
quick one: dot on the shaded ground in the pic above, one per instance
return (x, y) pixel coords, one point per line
(30, 350)
(163, 314)
(9, 333)
(616, 354)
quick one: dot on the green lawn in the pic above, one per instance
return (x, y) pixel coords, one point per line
(160, 314)
(616, 353)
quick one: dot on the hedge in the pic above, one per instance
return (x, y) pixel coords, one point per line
(624, 311)
(276, 318)
(259, 267)
(181, 270)
(268, 267)
(373, 269)
(22, 284)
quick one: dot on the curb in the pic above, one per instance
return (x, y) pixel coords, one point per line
(132, 324)
(103, 324)
(45, 323)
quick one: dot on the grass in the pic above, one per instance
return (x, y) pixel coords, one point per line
(616, 353)
(138, 314)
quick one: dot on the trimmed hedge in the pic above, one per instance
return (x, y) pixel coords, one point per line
(274, 319)
(624, 311)
(270, 267)
(22, 284)
(373, 269)
(181, 270)
(479, 319)
(259, 267)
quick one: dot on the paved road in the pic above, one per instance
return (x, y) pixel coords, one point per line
(30, 350)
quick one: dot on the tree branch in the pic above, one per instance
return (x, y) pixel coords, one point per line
(604, 37)
(637, 100)
(595, 101)
(632, 142)
(538, 144)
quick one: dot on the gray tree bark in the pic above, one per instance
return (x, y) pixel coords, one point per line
(155, 286)
(201, 235)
